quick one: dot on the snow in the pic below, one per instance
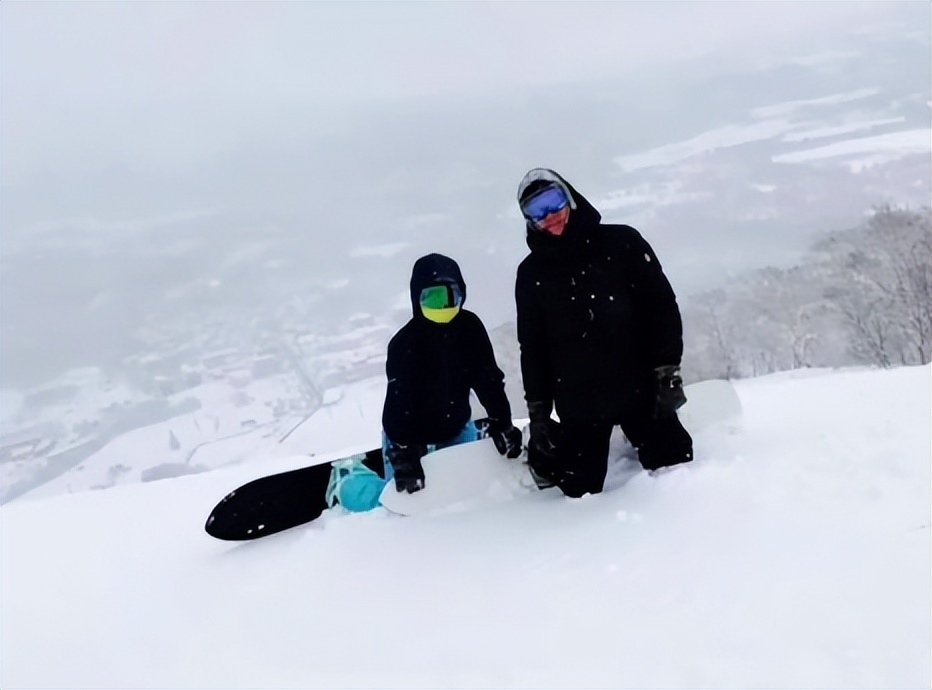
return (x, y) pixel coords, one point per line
(648, 195)
(903, 143)
(794, 552)
(722, 137)
(837, 130)
(349, 421)
(792, 125)
(229, 425)
(791, 107)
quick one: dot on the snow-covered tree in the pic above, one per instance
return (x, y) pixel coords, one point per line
(882, 286)
(710, 344)
(861, 295)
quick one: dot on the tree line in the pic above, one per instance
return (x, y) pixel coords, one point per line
(860, 296)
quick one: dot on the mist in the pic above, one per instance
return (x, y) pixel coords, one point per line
(189, 177)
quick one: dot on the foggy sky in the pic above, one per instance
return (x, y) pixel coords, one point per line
(162, 85)
(165, 165)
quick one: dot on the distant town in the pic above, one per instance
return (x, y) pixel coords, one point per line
(51, 428)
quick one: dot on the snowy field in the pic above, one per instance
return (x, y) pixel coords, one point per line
(795, 552)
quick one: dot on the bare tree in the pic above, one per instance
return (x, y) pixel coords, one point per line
(709, 342)
(791, 304)
(882, 286)
(862, 295)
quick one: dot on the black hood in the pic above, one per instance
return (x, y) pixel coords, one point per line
(583, 215)
(433, 269)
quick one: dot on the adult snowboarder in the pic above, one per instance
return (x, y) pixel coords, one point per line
(601, 340)
(433, 362)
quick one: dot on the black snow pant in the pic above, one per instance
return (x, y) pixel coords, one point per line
(582, 451)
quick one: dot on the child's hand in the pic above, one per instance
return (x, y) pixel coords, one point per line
(406, 464)
(507, 438)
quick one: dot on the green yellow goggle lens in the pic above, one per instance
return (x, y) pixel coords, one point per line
(441, 297)
(440, 315)
(440, 303)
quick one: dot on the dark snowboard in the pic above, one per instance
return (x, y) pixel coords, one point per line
(281, 501)
(278, 502)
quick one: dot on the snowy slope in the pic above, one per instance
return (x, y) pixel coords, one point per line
(795, 552)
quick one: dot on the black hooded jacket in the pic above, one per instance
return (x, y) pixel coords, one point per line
(431, 367)
(595, 314)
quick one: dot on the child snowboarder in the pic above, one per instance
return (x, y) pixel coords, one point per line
(433, 362)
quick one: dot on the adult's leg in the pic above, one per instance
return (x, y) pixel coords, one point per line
(583, 456)
(545, 466)
(661, 442)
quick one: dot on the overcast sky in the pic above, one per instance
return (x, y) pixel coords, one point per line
(73, 70)
(152, 151)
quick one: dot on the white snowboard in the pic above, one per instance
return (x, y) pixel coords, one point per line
(709, 403)
(459, 475)
(474, 473)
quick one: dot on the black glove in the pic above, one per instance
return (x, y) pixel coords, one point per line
(541, 429)
(506, 437)
(406, 463)
(542, 447)
(668, 391)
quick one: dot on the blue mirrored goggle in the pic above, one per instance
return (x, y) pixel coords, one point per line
(544, 203)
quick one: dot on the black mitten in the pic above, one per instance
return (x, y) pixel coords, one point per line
(506, 437)
(406, 464)
(668, 391)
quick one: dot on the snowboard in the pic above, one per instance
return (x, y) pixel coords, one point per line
(277, 502)
(467, 476)
(280, 501)
(468, 473)
(462, 476)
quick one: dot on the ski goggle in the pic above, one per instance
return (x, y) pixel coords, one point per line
(440, 303)
(545, 202)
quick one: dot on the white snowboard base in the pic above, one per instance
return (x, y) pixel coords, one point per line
(709, 403)
(474, 473)
(471, 472)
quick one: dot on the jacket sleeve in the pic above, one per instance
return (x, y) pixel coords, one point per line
(655, 304)
(532, 339)
(398, 412)
(488, 380)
